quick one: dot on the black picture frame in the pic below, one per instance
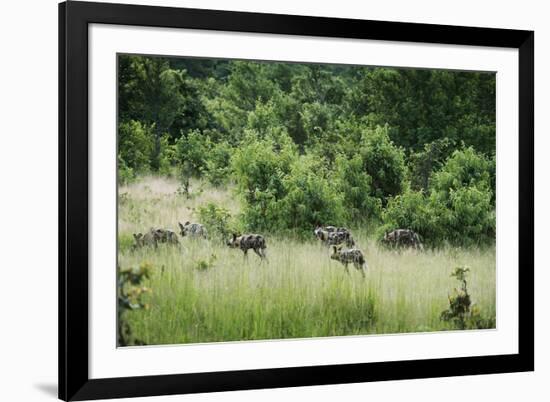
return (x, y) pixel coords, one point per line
(74, 381)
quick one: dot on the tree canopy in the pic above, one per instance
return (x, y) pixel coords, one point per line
(316, 143)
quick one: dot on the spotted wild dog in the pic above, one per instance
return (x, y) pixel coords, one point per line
(334, 236)
(353, 255)
(322, 233)
(246, 242)
(141, 240)
(166, 236)
(155, 236)
(403, 238)
(150, 238)
(337, 238)
(192, 230)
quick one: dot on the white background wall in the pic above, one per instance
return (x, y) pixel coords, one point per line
(28, 200)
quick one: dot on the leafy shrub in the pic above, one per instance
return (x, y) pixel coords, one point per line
(259, 167)
(383, 161)
(316, 119)
(309, 199)
(464, 168)
(459, 208)
(248, 84)
(462, 197)
(191, 151)
(469, 218)
(125, 173)
(284, 192)
(167, 156)
(423, 163)
(461, 312)
(218, 164)
(355, 185)
(263, 118)
(412, 210)
(135, 145)
(265, 124)
(459, 303)
(130, 297)
(218, 220)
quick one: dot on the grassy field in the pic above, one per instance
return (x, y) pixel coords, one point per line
(298, 293)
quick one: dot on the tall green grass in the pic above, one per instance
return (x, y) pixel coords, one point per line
(299, 292)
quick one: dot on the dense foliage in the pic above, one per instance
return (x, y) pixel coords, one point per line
(308, 144)
(130, 292)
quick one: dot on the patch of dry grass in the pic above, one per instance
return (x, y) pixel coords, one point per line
(155, 202)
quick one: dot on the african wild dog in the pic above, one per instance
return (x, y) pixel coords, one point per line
(334, 236)
(147, 239)
(353, 255)
(150, 238)
(245, 242)
(166, 236)
(337, 238)
(192, 230)
(403, 238)
(155, 236)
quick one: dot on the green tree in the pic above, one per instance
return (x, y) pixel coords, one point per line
(248, 83)
(259, 168)
(412, 210)
(191, 151)
(135, 145)
(423, 163)
(355, 185)
(217, 169)
(310, 199)
(158, 96)
(464, 168)
(383, 161)
(462, 190)
(458, 208)
(421, 106)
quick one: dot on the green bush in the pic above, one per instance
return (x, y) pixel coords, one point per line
(218, 164)
(125, 173)
(284, 192)
(191, 152)
(383, 161)
(130, 295)
(469, 218)
(355, 186)
(167, 156)
(462, 313)
(459, 208)
(218, 221)
(464, 168)
(423, 163)
(310, 199)
(135, 145)
(259, 166)
(373, 158)
(316, 119)
(412, 210)
(263, 118)
(463, 198)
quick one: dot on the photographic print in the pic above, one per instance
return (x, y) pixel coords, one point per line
(265, 200)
